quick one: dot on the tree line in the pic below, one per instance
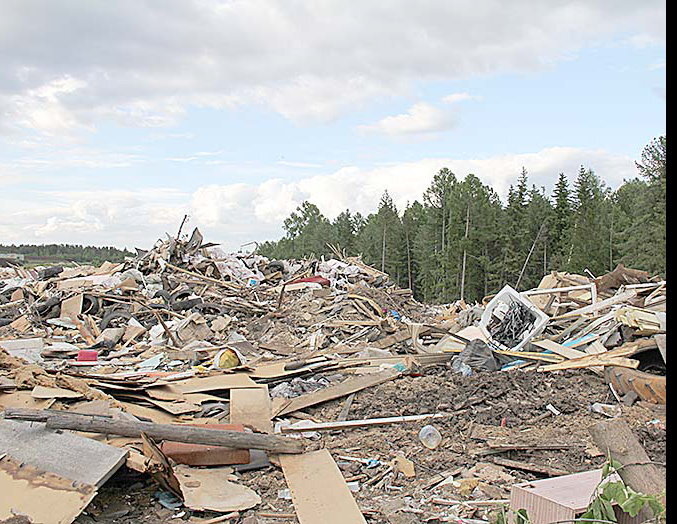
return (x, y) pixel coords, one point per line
(66, 253)
(462, 241)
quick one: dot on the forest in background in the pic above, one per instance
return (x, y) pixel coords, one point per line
(462, 241)
(64, 253)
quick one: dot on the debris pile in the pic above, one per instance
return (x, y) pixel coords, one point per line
(236, 388)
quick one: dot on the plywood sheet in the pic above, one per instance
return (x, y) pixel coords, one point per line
(42, 392)
(43, 497)
(318, 489)
(67, 454)
(214, 383)
(71, 307)
(23, 399)
(251, 407)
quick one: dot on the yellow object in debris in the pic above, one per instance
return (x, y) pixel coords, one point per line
(226, 359)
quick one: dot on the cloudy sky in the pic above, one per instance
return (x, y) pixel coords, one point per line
(116, 118)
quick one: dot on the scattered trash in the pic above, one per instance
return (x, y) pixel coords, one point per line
(429, 436)
(205, 371)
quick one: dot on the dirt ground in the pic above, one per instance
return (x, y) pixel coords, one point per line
(501, 407)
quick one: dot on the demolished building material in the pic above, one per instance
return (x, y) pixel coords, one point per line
(250, 373)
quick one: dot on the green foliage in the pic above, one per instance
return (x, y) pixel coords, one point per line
(503, 516)
(462, 241)
(617, 492)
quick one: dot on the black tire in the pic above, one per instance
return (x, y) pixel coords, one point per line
(182, 305)
(114, 319)
(90, 304)
(180, 295)
(209, 308)
(165, 295)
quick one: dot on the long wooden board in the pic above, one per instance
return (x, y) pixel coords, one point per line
(603, 304)
(609, 358)
(318, 490)
(284, 406)
(559, 349)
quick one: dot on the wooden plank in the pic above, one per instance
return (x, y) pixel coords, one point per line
(401, 336)
(602, 304)
(318, 489)
(596, 348)
(284, 406)
(349, 424)
(610, 358)
(66, 454)
(559, 349)
(251, 407)
(343, 415)
(571, 329)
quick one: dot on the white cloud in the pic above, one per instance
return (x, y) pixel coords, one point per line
(304, 165)
(239, 213)
(459, 97)
(63, 70)
(421, 119)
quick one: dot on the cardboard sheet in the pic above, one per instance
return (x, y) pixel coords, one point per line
(251, 407)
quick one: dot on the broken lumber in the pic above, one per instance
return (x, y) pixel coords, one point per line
(284, 406)
(602, 304)
(559, 349)
(173, 432)
(610, 358)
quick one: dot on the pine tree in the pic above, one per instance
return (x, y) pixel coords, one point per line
(343, 228)
(561, 220)
(588, 248)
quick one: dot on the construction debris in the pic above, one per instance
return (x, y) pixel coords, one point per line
(222, 379)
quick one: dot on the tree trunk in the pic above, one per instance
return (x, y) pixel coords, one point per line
(173, 432)
(383, 250)
(409, 261)
(614, 437)
(528, 257)
(465, 251)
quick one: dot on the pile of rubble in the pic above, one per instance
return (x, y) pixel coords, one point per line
(236, 388)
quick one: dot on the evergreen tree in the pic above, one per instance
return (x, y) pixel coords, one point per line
(561, 221)
(381, 241)
(639, 213)
(461, 241)
(344, 232)
(589, 238)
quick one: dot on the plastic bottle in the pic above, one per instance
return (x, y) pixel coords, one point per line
(461, 367)
(429, 436)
